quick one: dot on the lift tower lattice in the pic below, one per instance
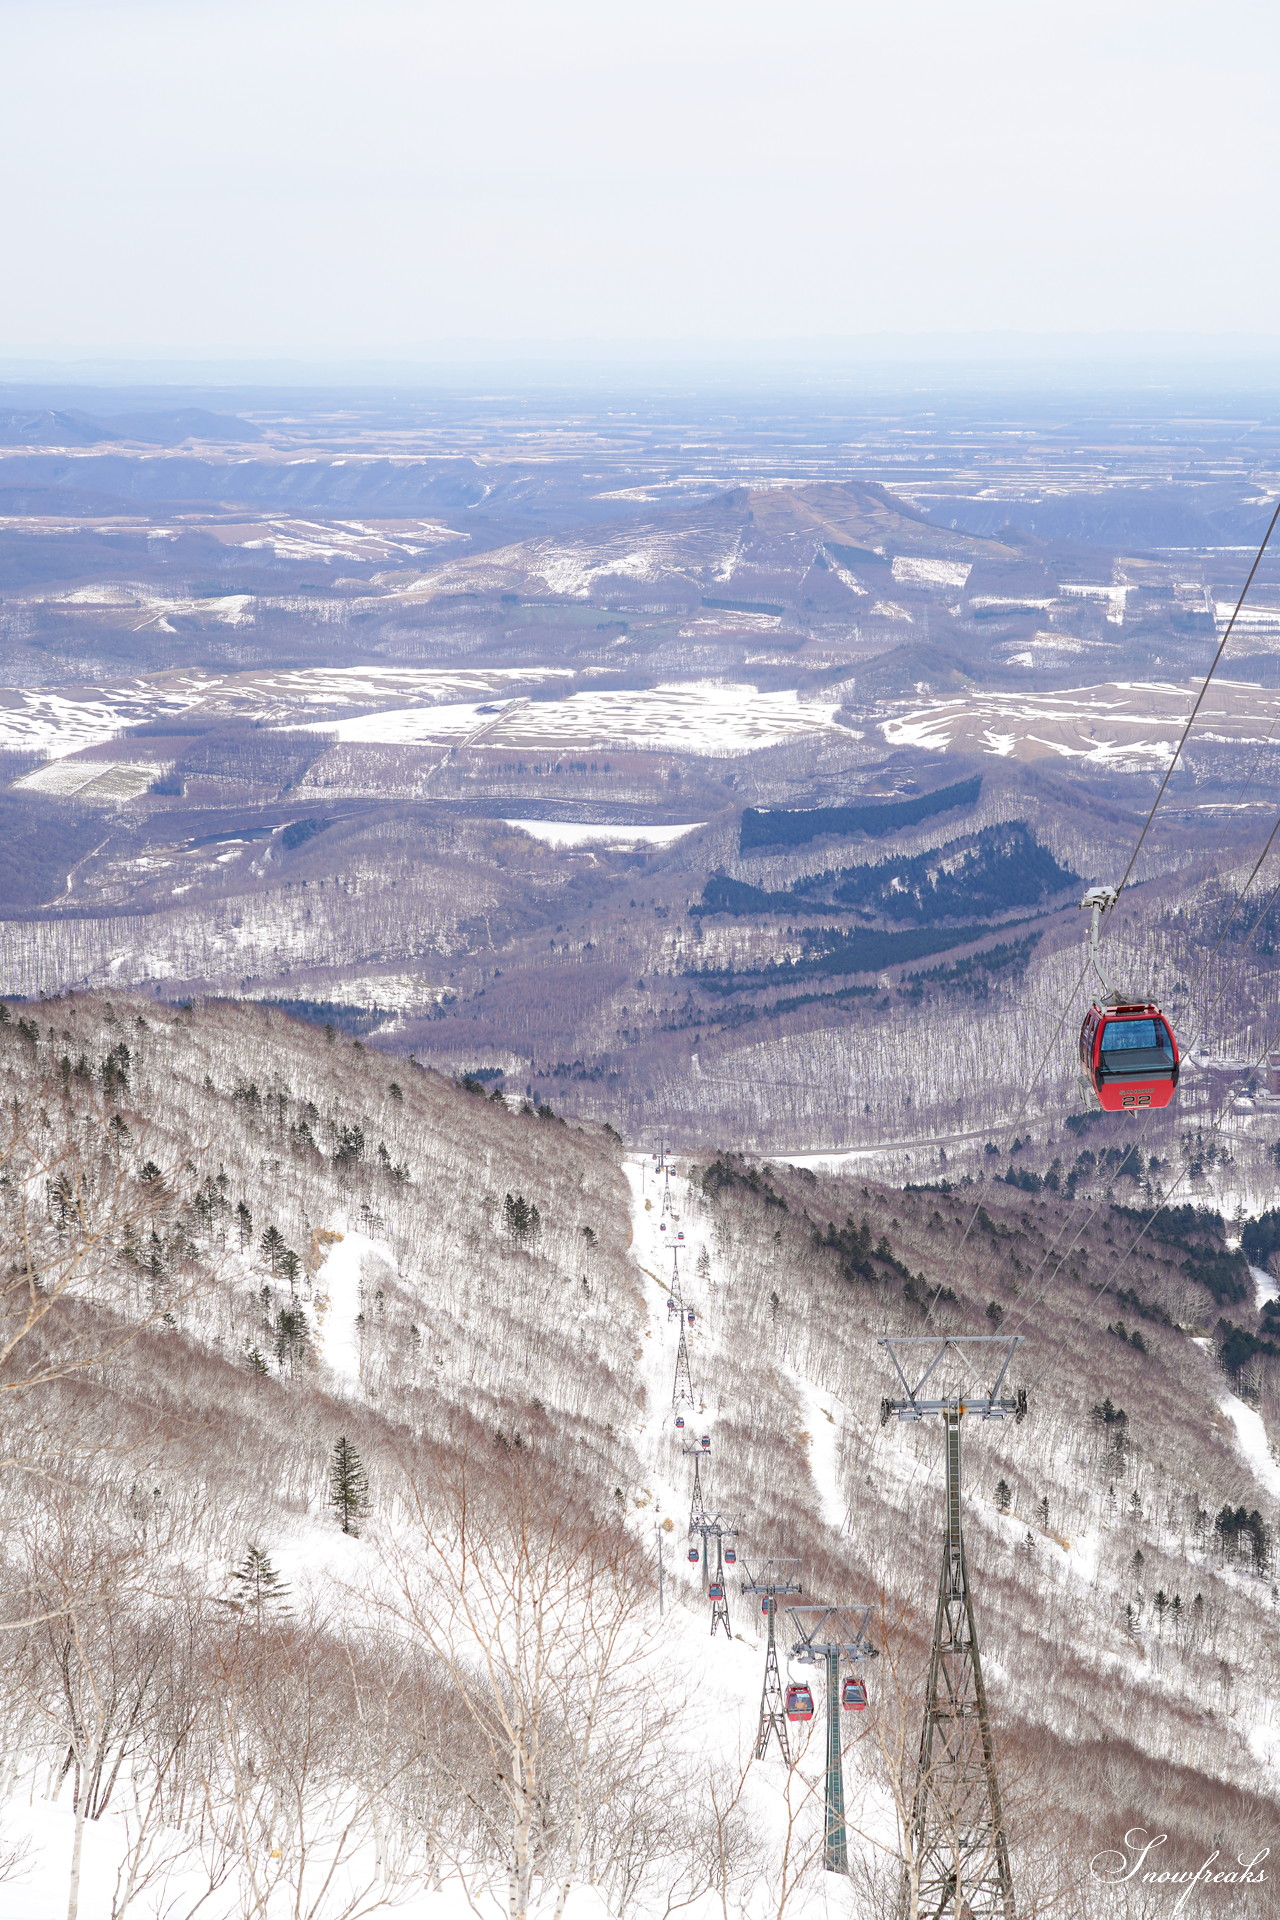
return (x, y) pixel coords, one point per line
(830, 1635)
(682, 1387)
(769, 1583)
(698, 1519)
(959, 1853)
(711, 1528)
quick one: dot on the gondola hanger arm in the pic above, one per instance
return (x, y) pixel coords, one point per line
(1099, 901)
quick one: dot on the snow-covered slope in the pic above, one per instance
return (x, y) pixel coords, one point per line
(325, 1245)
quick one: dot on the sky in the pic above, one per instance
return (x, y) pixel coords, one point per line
(383, 179)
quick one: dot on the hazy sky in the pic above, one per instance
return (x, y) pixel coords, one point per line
(303, 177)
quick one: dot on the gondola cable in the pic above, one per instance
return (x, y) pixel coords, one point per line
(1104, 1199)
(1199, 700)
(1019, 1117)
(1052, 1250)
(1010, 1131)
(1154, 1214)
(1206, 1015)
(1133, 857)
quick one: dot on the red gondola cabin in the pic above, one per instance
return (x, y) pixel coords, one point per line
(1130, 1055)
(853, 1695)
(716, 1590)
(731, 1556)
(799, 1703)
(694, 1556)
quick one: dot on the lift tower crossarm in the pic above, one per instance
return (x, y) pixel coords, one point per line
(829, 1631)
(921, 1367)
(771, 1579)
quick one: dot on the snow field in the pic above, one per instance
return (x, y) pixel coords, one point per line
(691, 717)
(575, 833)
(1251, 1438)
(338, 1299)
(1265, 1286)
(730, 1673)
(938, 573)
(1117, 724)
(57, 724)
(107, 781)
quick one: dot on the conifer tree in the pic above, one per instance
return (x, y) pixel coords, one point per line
(273, 1247)
(348, 1486)
(256, 1586)
(520, 1217)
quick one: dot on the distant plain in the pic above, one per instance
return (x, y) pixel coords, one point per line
(451, 719)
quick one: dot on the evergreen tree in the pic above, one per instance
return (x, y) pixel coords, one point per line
(273, 1247)
(348, 1486)
(256, 1586)
(520, 1217)
(1004, 1494)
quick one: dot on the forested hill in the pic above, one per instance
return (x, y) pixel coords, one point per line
(332, 1387)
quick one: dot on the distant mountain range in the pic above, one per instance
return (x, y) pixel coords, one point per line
(57, 427)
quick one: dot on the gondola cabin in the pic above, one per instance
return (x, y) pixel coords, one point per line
(716, 1590)
(767, 1605)
(705, 1443)
(1130, 1056)
(679, 1423)
(853, 1696)
(694, 1556)
(691, 1316)
(799, 1703)
(672, 1309)
(731, 1556)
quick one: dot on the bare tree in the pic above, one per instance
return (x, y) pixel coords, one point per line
(94, 1250)
(95, 1654)
(537, 1612)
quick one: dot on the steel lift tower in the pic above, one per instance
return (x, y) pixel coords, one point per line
(697, 1499)
(958, 1861)
(663, 1166)
(682, 1388)
(831, 1634)
(772, 1580)
(709, 1526)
